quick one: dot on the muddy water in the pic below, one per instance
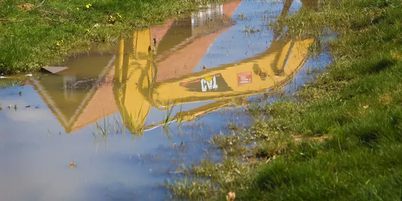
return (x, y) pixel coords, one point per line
(132, 119)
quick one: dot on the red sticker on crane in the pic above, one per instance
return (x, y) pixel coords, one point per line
(244, 78)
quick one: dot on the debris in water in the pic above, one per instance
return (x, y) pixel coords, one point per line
(54, 70)
(72, 164)
(14, 77)
(231, 196)
(178, 171)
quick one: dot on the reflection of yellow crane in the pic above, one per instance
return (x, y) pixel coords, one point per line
(136, 90)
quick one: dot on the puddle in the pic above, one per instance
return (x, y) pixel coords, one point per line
(132, 119)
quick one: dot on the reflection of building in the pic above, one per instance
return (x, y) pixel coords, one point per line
(188, 52)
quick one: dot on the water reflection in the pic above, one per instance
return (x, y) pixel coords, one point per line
(155, 77)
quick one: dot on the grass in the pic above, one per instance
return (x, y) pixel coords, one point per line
(249, 29)
(338, 138)
(167, 119)
(10, 82)
(45, 32)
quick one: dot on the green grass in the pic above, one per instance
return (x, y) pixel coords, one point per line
(342, 138)
(10, 82)
(53, 29)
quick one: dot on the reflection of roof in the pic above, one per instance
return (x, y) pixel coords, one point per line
(230, 7)
(159, 31)
(184, 60)
(100, 105)
(94, 104)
